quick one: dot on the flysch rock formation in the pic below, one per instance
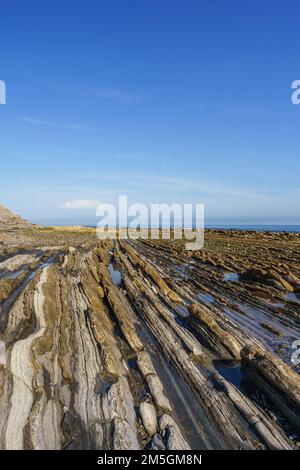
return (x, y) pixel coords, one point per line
(144, 345)
(10, 221)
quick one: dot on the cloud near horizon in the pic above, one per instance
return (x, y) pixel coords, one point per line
(80, 204)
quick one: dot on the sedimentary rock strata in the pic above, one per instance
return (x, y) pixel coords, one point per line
(135, 345)
(10, 221)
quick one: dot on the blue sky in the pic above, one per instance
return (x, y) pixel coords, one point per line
(166, 101)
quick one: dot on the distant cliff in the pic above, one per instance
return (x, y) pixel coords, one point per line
(10, 221)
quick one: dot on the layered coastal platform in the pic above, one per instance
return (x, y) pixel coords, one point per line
(143, 344)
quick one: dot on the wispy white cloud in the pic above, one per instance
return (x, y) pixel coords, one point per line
(80, 204)
(42, 122)
(117, 94)
(131, 156)
(222, 201)
(181, 185)
(109, 93)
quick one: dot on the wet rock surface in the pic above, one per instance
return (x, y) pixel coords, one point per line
(144, 345)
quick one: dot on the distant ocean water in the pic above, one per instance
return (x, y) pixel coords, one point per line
(261, 228)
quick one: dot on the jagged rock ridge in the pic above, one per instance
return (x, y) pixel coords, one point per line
(11, 221)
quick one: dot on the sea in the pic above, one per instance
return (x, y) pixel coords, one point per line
(260, 228)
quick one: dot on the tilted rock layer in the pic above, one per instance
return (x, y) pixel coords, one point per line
(10, 221)
(133, 345)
